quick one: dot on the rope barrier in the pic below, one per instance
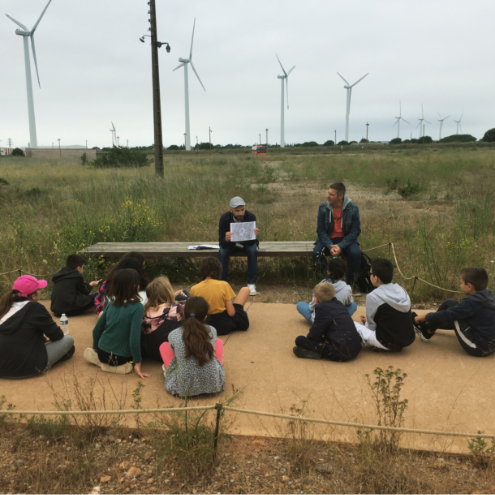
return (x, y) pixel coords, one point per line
(19, 271)
(256, 413)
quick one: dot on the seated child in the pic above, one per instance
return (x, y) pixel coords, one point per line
(343, 292)
(24, 323)
(333, 335)
(71, 296)
(225, 315)
(473, 319)
(161, 315)
(117, 334)
(193, 355)
(388, 312)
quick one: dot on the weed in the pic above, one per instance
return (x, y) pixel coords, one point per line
(3, 181)
(10, 407)
(482, 454)
(53, 427)
(409, 189)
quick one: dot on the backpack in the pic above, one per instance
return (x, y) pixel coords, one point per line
(363, 280)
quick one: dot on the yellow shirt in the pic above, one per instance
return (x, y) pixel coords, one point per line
(216, 293)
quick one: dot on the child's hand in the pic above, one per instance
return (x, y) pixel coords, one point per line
(137, 370)
(363, 319)
(94, 283)
(420, 319)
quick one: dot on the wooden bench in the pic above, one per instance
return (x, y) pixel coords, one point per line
(180, 249)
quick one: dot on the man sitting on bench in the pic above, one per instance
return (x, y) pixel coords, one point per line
(338, 229)
(237, 213)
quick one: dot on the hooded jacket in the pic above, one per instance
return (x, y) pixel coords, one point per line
(479, 310)
(22, 344)
(69, 291)
(351, 224)
(343, 293)
(388, 313)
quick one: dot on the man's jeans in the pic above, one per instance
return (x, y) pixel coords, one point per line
(252, 260)
(353, 253)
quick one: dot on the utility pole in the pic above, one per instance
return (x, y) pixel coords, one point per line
(86, 144)
(335, 137)
(157, 107)
(127, 144)
(260, 138)
(266, 130)
(209, 132)
(367, 125)
(59, 148)
(197, 146)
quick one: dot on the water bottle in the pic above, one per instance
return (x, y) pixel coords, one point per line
(64, 324)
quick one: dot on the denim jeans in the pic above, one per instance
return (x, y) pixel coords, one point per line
(353, 253)
(303, 308)
(252, 260)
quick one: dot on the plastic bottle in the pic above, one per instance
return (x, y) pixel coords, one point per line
(64, 324)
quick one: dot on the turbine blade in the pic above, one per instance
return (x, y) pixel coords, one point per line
(400, 109)
(36, 25)
(344, 79)
(17, 22)
(192, 66)
(179, 66)
(395, 123)
(419, 123)
(427, 121)
(359, 80)
(439, 114)
(281, 65)
(446, 117)
(113, 127)
(192, 39)
(422, 112)
(35, 62)
(461, 116)
(291, 70)
(405, 120)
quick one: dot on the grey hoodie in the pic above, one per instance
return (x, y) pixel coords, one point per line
(343, 293)
(392, 294)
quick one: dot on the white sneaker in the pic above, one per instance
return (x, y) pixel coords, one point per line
(91, 356)
(252, 290)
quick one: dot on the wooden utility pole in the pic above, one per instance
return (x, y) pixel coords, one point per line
(209, 132)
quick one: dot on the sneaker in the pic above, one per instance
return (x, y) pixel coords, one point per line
(252, 290)
(68, 354)
(421, 329)
(123, 369)
(300, 352)
(91, 356)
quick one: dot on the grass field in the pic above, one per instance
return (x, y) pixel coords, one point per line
(435, 204)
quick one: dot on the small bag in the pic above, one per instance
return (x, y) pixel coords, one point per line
(363, 279)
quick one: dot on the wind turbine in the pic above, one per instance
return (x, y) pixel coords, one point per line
(458, 122)
(113, 131)
(399, 118)
(441, 124)
(282, 116)
(420, 125)
(27, 63)
(183, 63)
(349, 87)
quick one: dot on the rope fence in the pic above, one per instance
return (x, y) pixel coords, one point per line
(220, 407)
(20, 272)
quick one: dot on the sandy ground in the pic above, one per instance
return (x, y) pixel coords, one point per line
(447, 389)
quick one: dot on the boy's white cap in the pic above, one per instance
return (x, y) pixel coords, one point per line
(237, 201)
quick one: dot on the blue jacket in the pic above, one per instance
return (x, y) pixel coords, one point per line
(351, 225)
(224, 226)
(479, 311)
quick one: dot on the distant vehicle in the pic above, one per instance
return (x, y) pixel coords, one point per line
(258, 150)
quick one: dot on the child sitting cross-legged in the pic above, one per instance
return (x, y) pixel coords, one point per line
(343, 292)
(333, 335)
(193, 355)
(387, 325)
(473, 319)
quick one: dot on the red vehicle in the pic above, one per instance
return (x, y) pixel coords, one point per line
(258, 150)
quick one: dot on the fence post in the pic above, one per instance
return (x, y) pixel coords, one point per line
(218, 407)
(414, 284)
(20, 272)
(389, 249)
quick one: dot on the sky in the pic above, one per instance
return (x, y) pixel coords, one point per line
(94, 71)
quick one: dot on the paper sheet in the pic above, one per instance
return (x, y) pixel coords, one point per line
(242, 231)
(203, 246)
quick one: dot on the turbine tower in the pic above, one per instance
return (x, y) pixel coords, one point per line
(399, 118)
(441, 124)
(421, 120)
(349, 87)
(282, 116)
(183, 63)
(25, 33)
(458, 122)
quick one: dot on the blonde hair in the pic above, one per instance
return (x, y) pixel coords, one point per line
(159, 291)
(324, 292)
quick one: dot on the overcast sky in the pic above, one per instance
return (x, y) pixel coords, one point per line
(94, 70)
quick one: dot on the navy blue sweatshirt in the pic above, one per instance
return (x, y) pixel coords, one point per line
(334, 325)
(479, 310)
(224, 226)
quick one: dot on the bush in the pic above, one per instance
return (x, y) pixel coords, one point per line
(310, 144)
(458, 138)
(17, 152)
(395, 141)
(409, 189)
(329, 143)
(425, 140)
(489, 136)
(173, 147)
(363, 141)
(4, 181)
(342, 143)
(121, 157)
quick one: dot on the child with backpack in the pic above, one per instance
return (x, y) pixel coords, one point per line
(472, 319)
(117, 334)
(343, 292)
(193, 355)
(162, 314)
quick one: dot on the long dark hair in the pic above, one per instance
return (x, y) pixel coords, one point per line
(124, 287)
(134, 255)
(9, 299)
(336, 269)
(196, 335)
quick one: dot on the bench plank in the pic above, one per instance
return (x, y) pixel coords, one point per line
(180, 249)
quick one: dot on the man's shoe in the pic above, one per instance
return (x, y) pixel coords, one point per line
(421, 329)
(252, 290)
(123, 369)
(91, 356)
(300, 352)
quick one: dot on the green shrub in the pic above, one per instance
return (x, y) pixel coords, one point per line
(489, 136)
(120, 158)
(409, 189)
(458, 138)
(17, 152)
(329, 143)
(3, 181)
(51, 428)
(396, 141)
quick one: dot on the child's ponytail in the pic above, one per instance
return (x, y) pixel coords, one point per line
(196, 335)
(6, 303)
